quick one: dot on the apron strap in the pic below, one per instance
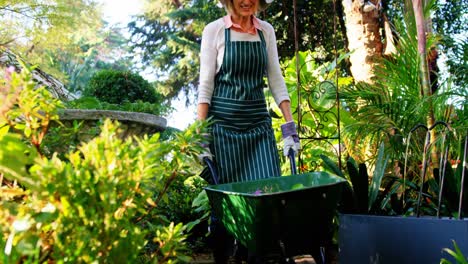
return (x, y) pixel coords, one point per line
(227, 36)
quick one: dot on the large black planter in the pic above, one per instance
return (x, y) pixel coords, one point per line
(398, 240)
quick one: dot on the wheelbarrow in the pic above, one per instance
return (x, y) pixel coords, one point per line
(283, 216)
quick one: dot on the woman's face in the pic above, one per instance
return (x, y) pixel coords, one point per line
(245, 8)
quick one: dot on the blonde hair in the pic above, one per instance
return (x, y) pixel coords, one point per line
(228, 6)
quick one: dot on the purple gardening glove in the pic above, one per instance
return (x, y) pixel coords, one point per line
(290, 138)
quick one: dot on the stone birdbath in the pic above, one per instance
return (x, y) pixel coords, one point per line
(132, 123)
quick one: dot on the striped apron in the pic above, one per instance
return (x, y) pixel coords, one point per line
(243, 144)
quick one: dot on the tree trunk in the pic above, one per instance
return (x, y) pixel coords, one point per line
(365, 42)
(426, 90)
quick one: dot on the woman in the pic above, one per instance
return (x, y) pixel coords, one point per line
(237, 52)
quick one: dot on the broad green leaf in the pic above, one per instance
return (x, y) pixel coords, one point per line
(330, 165)
(379, 172)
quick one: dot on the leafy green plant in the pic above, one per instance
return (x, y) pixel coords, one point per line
(177, 207)
(387, 193)
(457, 255)
(364, 194)
(317, 103)
(22, 110)
(62, 139)
(118, 87)
(387, 110)
(99, 204)
(89, 102)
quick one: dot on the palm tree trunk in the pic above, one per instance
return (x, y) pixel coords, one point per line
(366, 47)
(365, 42)
(424, 70)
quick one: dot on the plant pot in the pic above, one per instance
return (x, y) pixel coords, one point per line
(395, 239)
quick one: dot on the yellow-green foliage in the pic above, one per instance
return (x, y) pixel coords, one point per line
(95, 205)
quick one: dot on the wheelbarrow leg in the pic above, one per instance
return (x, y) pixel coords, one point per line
(285, 259)
(240, 252)
(221, 242)
(318, 253)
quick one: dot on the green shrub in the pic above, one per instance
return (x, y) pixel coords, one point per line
(89, 102)
(119, 87)
(457, 254)
(177, 208)
(97, 205)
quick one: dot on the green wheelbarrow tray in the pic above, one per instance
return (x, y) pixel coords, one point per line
(287, 215)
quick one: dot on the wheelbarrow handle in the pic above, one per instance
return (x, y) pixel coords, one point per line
(212, 168)
(292, 161)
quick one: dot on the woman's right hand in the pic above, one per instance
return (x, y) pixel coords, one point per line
(206, 153)
(205, 144)
(202, 112)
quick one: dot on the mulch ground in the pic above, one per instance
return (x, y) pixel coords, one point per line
(204, 256)
(207, 258)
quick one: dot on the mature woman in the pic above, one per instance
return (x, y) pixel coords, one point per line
(237, 52)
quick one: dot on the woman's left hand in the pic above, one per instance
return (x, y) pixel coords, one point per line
(293, 143)
(290, 138)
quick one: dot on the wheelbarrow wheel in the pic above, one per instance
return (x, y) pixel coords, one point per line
(269, 259)
(289, 261)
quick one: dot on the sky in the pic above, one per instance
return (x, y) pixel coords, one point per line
(120, 12)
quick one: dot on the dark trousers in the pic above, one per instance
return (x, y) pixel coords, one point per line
(227, 250)
(224, 245)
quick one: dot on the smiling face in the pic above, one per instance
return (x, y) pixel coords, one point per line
(245, 8)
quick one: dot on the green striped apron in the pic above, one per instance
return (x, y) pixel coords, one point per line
(243, 144)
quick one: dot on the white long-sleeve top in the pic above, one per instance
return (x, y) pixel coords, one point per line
(212, 54)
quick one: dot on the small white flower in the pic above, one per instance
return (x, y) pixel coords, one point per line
(49, 208)
(21, 225)
(9, 244)
(111, 166)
